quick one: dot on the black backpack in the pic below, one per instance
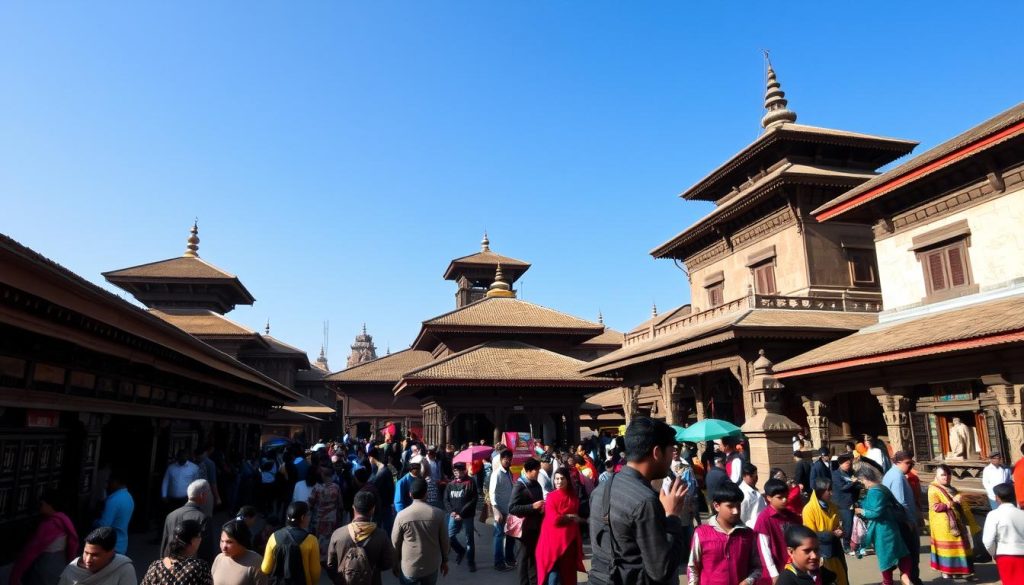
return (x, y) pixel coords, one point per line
(288, 567)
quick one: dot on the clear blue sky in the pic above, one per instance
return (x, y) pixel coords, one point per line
(339, 154)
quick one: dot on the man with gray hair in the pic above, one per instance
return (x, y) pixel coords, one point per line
(194, 509)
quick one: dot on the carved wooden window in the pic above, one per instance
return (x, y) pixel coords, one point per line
(716, 294)
(946, 268)
(764, 279)
(863, 270)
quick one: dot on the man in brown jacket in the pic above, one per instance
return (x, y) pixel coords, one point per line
(420, 538)
(361, 532)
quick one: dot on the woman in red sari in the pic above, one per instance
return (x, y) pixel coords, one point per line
(560, 548)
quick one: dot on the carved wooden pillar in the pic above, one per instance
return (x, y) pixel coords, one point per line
(1009, 398)
(698, 395)
(817, 421)
(630, 401)
(896, 412)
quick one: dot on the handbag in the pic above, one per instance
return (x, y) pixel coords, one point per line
(514, 526)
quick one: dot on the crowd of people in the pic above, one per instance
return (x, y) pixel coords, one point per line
(355, 509)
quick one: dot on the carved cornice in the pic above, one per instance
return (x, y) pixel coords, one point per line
(742, 238)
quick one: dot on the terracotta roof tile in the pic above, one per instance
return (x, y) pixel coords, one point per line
(509, 362)
(383, 369)
(200, 322)
(709, 332)
(990, 126)
(489, 258)
(974, 321)
(181, 267)
(511, 313)
(610, 337)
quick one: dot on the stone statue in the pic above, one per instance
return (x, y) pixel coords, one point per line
(959, 440)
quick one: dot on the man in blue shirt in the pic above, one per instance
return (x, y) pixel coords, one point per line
(896, 480)
(403, 499)
(117, 510)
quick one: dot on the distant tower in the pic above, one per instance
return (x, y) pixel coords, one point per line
(363, 349)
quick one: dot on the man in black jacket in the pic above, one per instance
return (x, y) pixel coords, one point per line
(528, 503)
(845, 492)
(460, 503)
(635, 531)
(716, 478)
(802, 474)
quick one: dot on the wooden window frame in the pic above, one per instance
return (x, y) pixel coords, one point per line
(718, 288)
(768, 265)
(869, 255)
(942, 251)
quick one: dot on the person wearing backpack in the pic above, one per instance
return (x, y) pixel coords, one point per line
(360, 550)
(293, 554)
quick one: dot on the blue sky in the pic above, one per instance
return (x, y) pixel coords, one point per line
(339, 154)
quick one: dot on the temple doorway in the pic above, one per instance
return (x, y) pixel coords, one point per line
(471, 427)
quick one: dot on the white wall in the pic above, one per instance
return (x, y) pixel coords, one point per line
(996, 252)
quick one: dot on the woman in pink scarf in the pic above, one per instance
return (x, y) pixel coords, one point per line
(560, 548)
(51, 547)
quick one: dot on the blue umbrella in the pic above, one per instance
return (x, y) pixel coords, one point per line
(708, 429)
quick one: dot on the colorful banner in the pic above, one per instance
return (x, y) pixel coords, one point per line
(521, 445)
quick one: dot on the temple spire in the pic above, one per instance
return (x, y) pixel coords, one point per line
(654, 309)
(775, 100)
(192, 248)
(600, 317)
(499, 288)
(266, 329)
(485, 244)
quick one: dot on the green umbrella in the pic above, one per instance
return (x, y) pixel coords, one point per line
(679, 433)
(708, 429)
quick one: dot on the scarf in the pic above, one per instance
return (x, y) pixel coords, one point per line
(952, 508)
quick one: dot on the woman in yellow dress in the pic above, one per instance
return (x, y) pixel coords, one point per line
(952, 527)
(822, 516)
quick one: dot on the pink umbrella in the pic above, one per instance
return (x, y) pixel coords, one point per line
(474, 453)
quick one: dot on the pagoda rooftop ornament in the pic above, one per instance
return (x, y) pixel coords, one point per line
(775, 101)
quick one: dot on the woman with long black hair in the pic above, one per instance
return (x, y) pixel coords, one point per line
(180, 566)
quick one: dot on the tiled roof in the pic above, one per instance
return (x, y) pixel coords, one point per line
(1003, 120)
(803, 132)
(306, 405)
(281, 347)
(181, 267)
(974, 322)
(610, 337)
(200, 322)
(806, 173)
(489, 258)
(507, 362)
(511, 313)
(722, 329)
(383, 369)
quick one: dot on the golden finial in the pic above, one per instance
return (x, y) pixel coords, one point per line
(600, 317)
(485, 244)
(266, 330)
(500, 288)
(192, 249)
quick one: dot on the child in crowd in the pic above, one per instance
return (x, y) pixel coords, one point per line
(723, 550)
(804, 567)
(771, 530)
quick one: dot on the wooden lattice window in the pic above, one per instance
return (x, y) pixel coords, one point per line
(764, 278)
(716, 294)
(946, 268)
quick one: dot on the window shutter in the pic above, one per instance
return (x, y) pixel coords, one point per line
(769, 279)
(957, 272)
(935, 271)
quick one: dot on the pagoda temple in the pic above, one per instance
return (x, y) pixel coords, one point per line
(363, 349)
(194, 295)
(768, 281)
(494, 364)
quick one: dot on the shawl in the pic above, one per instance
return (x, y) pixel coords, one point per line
(819, 518)
(959, 517)
(49, 529)
(557, 539)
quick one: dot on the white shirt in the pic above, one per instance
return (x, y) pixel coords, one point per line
(752, 504)
(993, 476)
(177, 478)
(1004, 531)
